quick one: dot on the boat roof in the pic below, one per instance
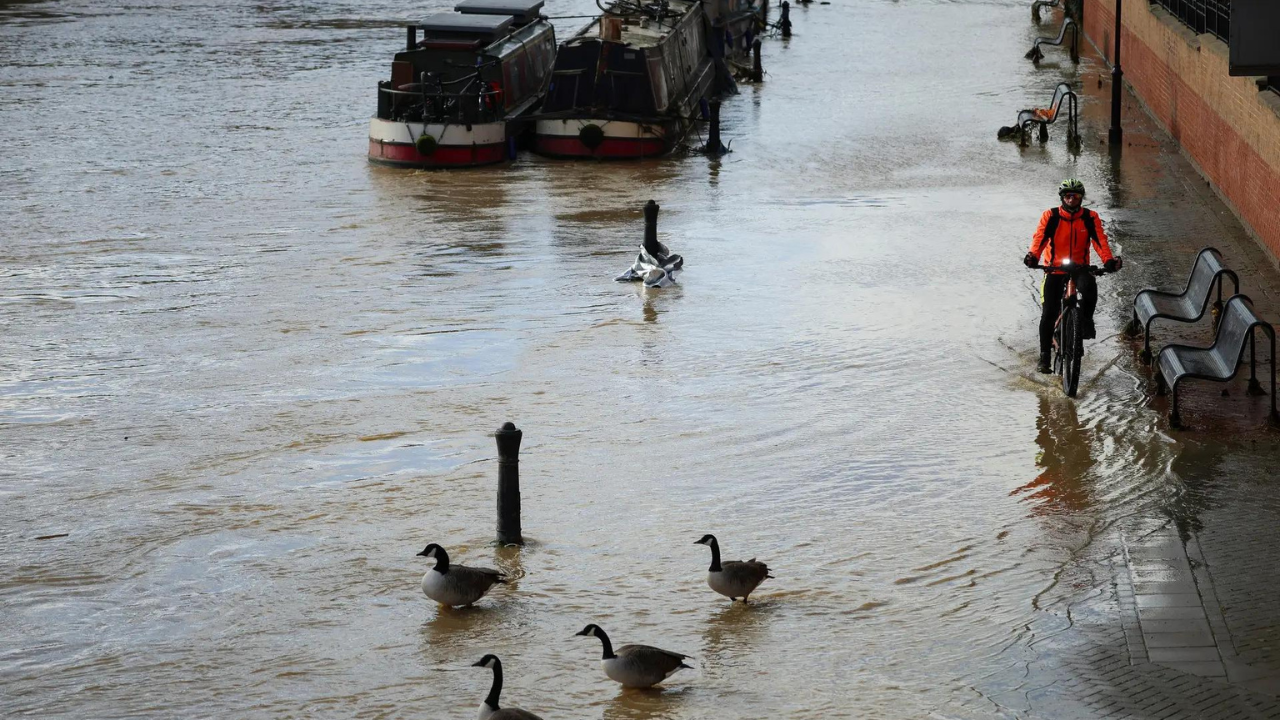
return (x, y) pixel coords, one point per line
(638, 30)
(469, 24)
(518, 8)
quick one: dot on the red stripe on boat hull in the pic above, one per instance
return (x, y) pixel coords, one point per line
(569, 146)
(404, 155)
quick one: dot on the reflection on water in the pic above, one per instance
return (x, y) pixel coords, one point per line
(1065, 461)
(246, 376)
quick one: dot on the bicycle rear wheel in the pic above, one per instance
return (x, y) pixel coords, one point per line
(1072, 349)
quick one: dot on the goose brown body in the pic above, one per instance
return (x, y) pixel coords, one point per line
(636, 666)
(733, 578)
(456, 585)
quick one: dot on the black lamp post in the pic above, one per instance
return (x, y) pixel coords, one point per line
(1115, 135)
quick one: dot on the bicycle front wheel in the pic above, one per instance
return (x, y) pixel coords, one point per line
(1072, 348)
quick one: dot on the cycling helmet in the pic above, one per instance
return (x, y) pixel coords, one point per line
(1071, 185)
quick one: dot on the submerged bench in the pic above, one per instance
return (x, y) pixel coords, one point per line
(1220, 361)
(1062, 94)
(1187, 306)
(1035, 8)
(1035, 55)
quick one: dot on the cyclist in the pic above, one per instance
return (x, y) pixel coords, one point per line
(1065, 236)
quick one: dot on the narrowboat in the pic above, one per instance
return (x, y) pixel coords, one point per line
(733, 25)
(460, 94)
(629, 84)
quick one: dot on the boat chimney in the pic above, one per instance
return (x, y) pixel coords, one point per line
(411, 38)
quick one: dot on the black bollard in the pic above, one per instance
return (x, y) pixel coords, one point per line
(411, 38)
(713, 143)
(785, 22)
(650, 224)
(757, 71)
(508, 438)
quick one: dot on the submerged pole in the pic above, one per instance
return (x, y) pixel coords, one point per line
(508, 438)
(785, 22)
(713, 146)
(757, 71)
(651, 224)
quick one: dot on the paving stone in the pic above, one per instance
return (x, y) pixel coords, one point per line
(1154, 601)
(1186, 587)
(1152, 575)
(1178, 639)
(1204, 669)
(1167, 655)
(1173, 613)
(1174, 626)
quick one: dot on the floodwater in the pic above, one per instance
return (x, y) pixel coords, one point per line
(246, 376)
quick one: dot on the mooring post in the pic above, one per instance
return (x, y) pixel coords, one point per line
(411, 38)
(713, 148)
(757, 71)
(785, 22)
(508, 438)
(650, 224)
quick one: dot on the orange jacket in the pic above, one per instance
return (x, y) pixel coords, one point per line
(1071, 240)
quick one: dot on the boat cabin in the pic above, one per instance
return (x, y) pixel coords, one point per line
(487, 60)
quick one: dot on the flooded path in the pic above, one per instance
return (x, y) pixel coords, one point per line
(249, 376)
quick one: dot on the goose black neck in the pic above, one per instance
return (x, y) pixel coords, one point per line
(715, 556)
(608, 646)
(442, 561)
(496, 688)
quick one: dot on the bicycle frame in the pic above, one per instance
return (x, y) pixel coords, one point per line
(1070, 304)
(1070, 299)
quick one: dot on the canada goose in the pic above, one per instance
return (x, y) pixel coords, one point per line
(489, 709)
(635, 666)
(733, 578)
(456, 585)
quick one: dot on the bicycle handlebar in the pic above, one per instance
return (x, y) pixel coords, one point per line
(1072, 269)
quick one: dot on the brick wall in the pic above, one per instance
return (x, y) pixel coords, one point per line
(1229, 129)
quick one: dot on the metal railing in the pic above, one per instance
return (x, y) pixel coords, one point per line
(1202, 16)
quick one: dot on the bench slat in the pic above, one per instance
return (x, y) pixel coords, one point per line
(1220, 361)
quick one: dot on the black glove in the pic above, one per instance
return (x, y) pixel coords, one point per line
(1030, 260)
(1113, 264)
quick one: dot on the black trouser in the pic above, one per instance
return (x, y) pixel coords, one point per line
(1052, 306)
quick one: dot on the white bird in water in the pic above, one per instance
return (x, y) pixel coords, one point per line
(733, 578)
(636, 666)
(455, 585)
(489, 709)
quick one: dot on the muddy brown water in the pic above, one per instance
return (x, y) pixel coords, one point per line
(249, 375)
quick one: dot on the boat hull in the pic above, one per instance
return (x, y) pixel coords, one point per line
(621, 139)
(395, 143)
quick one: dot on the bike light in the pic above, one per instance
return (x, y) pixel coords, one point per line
(1066, 262)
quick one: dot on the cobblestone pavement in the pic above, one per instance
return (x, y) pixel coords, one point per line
(1169, 610)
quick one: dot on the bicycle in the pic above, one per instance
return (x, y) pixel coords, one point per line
(1068, 344)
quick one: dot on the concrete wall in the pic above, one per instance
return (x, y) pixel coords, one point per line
(1228, 128)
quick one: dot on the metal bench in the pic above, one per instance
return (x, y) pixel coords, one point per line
(1187, 306)
(1043, 117)
(1220, 361)
(1035, 8)
(1035, 55)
